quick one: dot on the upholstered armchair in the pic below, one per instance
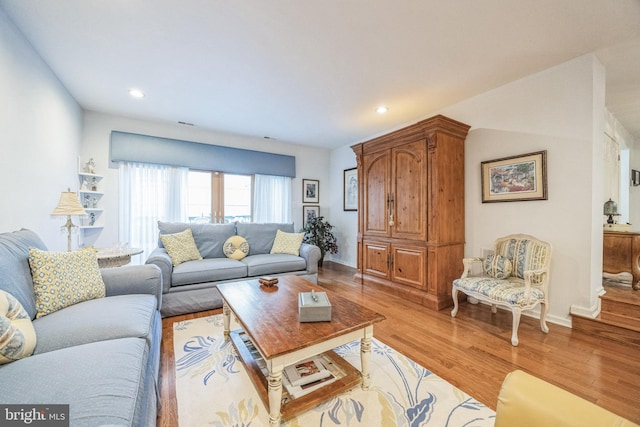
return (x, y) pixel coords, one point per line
(515, 276)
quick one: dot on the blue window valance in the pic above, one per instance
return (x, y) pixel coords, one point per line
(131, 147)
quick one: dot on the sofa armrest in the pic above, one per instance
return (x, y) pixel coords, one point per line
(161, 258)
(134, 279)
(311, 254)
(527, 401)
(468, 265)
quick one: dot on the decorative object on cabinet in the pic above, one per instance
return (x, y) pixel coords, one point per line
(516, 178)
(610, 209)
(350, 189)
(68, 205)
(411, 210)
(309, 213)
(310, 191)
(523, 288)
(318, 232)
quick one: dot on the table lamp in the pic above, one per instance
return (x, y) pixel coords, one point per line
(67, 206)
(611, 209)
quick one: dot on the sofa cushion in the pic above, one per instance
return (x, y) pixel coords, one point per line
(181, 247)
(524, 254)
(209, 238)
(261, 236)
(61, 279)
(17, 336)
(265, 264)
(287, 243)
(497, 266)
(102, 382)
(207, 270)
(119, 316)
(15, 272)
(236, 247)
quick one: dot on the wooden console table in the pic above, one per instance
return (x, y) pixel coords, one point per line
(621, 253)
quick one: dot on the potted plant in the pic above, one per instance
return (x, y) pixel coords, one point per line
(317, 231)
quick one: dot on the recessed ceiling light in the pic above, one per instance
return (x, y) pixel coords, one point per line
(136, 93)
(381, 109)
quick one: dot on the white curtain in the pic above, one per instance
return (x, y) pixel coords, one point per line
(148, 194)
(272, 199)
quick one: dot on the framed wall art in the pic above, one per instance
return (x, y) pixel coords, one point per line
(635, 177)
(350, 190)
(310, 191)
(309, 212)
(515, 178)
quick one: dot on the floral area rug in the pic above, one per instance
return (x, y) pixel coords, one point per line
(213, 388)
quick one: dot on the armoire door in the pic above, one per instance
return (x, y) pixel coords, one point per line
(409, 191)
(376, 175)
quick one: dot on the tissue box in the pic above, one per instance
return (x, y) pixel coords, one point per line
(314, 307)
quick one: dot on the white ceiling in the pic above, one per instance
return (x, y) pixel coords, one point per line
(313, 72)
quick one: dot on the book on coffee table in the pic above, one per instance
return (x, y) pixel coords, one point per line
(306, 371)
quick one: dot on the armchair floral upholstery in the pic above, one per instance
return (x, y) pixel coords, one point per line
(515, 276)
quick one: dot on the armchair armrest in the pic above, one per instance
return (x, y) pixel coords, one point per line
(311, 254)
(468, 264)
(135, 279)
(162, 260)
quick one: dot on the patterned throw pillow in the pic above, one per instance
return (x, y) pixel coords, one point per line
(61, 279)
(287, 243)
(181, 247)
(236, 247)
(18, 337)
(498, 266)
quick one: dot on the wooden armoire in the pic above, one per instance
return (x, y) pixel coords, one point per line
(411, 210)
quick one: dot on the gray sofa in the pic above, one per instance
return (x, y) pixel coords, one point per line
(191, 286)
(101, 356)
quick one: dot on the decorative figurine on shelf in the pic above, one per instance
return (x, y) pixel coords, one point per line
(90, 166)
(94, 184)
(87, 201)
(92, 218)
(94, 202)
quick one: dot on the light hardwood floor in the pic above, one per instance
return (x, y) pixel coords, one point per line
(472, 351)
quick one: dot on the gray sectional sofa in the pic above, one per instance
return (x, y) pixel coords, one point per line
(191, 286)
(101, 356)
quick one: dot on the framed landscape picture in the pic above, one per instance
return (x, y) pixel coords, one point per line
(310, 191)
(515, 178)
(350, 190)
(309, 212)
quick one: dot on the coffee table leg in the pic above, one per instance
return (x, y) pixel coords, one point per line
(365, 354)
(226, 313)
(275, 395)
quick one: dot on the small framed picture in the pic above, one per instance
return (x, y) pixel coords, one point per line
(350, 191)
(309, 212)
(635, 177)
(310, 191)
(516, 178)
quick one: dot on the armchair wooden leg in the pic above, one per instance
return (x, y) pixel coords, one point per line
(454, 295)
(544, 308)
(514, 328)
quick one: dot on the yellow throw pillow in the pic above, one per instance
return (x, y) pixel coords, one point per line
(18, 337)
(287, 243)
(181, 247)
(236, 247)
(61, 279)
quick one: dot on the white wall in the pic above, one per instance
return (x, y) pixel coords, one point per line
(40, 128)
(311, 163)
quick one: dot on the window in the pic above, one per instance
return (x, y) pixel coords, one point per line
(218, 197)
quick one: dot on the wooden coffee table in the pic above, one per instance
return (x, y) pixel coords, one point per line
(269, 317)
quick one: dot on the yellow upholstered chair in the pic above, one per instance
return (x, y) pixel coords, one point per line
(527, 401)
(515, 276)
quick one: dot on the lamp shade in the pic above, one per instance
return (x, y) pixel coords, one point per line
(610, 208)
(68, 205)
